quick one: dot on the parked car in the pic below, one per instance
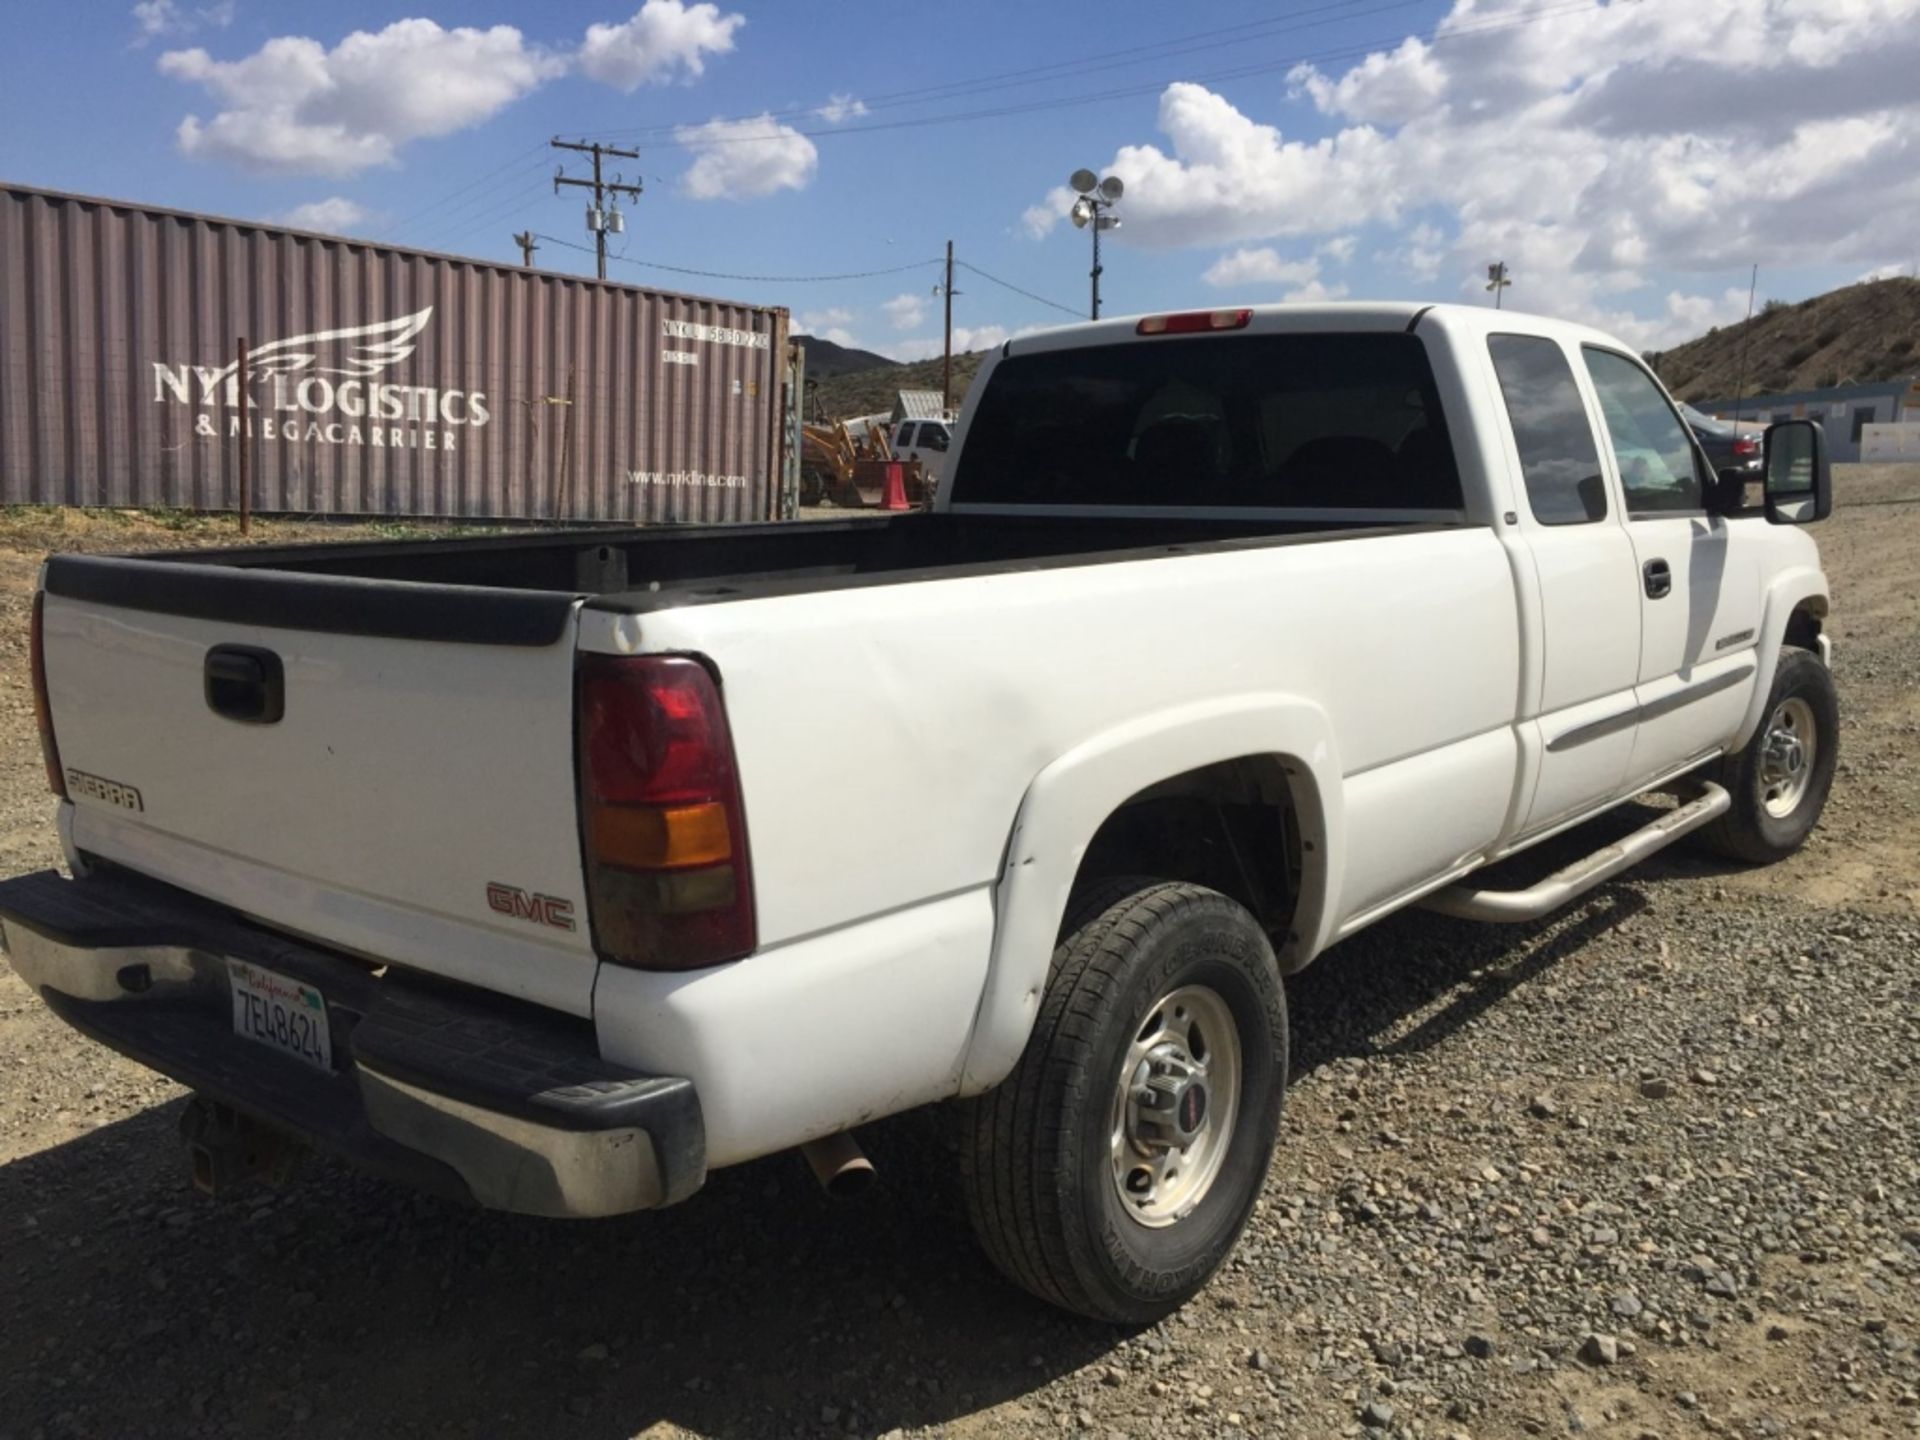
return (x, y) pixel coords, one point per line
(517, 867)
(927, 441)
(1733, 449)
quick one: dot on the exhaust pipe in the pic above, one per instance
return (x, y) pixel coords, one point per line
(839, 1164)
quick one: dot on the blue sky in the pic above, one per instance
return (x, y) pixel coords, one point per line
(1628, 160)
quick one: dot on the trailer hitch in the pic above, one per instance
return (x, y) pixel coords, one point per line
(227, 1150)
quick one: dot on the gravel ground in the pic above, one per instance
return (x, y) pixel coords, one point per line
(1649, 1169)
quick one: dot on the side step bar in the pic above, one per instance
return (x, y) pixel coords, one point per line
(1466, 902)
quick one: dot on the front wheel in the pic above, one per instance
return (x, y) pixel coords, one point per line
(1113, 1170)
(1779, 783)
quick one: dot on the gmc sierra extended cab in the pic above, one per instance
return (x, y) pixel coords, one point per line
(552, 872)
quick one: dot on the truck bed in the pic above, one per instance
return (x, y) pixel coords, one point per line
(518, 589)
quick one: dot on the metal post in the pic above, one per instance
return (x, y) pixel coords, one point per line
(946, 369)
(246, 442)
(1095, 227)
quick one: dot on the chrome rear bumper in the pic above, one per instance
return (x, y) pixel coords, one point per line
(456, 1092)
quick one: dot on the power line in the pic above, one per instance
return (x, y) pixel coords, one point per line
(514, 207)
(1063, 69)
(1008, 285)
(1147, 88)
(439, 205)
(760, 279)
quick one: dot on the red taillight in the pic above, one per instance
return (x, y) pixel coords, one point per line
(42, 708)
(1745, 446)
(1193, 322)
(668, 885)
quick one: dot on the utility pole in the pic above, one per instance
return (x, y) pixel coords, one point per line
(600, 220)
(1746, 336)
(946, 366)
(525, 241)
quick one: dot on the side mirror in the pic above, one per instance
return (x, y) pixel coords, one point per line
(1799, 481)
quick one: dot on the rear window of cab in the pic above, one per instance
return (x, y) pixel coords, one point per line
(1236, 421)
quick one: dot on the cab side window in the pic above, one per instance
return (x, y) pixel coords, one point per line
(933, 437)
(1558, 457)
(1659, 468)
(904, 439)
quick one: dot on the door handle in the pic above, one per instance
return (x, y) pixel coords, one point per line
(1658, 577)
(246, 683)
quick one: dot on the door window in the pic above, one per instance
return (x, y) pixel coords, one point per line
(1651, 444)
(934, 437)
(1558, 458)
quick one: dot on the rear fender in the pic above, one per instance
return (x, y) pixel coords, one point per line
(1070, 799)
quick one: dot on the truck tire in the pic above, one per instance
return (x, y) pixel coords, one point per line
(1111, 1173)
(1779, 783)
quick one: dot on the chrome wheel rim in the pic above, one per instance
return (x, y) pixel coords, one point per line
(1786, 757)
(1174, 1105)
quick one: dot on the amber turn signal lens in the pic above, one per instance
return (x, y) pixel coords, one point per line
(648, 837)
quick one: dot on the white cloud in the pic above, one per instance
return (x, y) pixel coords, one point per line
(1383, 88)
(1313, 292)
(1605, 152)
(838, 334)
(333, 216)
(904, 312)
(740, 159)
(296, 107)
(1264, 266)
(1230, 178)
(663, 39)
(1908, 270)
(1339, 249)
(813, 322)
(840, 108)
(155, 18)
(965, 337)
(1040, 219)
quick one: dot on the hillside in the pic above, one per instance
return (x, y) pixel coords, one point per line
(867, 392)
(826, 359)
(1861, 333)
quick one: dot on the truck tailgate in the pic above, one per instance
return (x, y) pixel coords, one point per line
(414, 801)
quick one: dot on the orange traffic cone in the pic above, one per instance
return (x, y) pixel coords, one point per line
(895, 497)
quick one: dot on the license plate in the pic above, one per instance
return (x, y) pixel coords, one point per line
(282, 1013)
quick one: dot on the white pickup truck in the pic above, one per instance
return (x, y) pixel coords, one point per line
(552, 872)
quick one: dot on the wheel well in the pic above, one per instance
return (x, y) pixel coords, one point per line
(1803, 625)
(1233, 826)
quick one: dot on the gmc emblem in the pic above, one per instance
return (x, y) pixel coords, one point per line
(541, 909)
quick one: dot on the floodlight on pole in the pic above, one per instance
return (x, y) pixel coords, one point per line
(1498, 280)
(1092, 210)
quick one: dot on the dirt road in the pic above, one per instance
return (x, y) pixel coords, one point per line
(1648, 1169)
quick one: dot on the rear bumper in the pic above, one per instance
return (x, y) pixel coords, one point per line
(451, 1091)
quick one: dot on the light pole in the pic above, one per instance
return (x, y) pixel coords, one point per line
(1498, 280)
(1094, 211)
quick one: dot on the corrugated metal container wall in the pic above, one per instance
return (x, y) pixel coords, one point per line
(382, 381)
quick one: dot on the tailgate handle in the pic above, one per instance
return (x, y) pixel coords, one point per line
(246, 683)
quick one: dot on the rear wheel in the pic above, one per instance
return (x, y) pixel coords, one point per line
(1779, 783)
(1113, 1170)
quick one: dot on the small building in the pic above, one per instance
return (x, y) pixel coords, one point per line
(1843, 410)
(919, 405)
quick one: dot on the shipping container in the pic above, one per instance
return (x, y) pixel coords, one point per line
(380, 380)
